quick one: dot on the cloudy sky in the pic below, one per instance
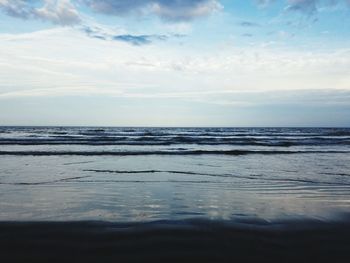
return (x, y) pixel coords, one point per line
(175, 63)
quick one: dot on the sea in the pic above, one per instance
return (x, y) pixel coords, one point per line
(126, 174)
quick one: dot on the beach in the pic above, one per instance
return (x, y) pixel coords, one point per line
(176, 241)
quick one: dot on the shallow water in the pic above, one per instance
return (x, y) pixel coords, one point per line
(146, 174)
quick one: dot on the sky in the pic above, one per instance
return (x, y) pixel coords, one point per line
(175, 63)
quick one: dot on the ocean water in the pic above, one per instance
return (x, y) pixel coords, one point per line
(147, 174)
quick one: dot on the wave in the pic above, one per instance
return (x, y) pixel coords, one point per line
(269, 137)
(75, 180)
(250, 177)
(188, 152)
(339, 133)
(47, 182)
(144, 141)
(156, 171)
(339, 174)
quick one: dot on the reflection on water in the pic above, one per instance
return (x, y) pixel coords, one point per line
(144, 188)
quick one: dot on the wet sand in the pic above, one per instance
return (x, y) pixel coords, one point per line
(196, 240)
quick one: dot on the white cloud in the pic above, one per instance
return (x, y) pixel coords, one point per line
(64, 12)
(63, 62)
(60, 12)
(180, 10)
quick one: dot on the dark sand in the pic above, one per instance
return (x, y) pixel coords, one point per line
(176, 241)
